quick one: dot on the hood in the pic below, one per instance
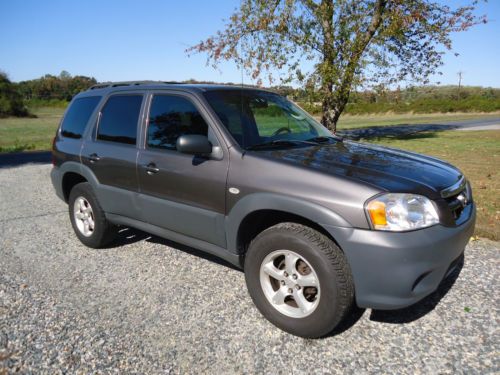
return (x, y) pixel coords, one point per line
(387, 169)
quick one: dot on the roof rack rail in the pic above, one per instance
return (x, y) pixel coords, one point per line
(129, 83)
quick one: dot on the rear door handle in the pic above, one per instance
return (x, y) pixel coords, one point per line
(94, 158)
(151, 168)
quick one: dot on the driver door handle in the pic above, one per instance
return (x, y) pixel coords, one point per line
(151, 168)
(94, 158)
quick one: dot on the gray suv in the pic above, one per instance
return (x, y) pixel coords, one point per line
(318, 223)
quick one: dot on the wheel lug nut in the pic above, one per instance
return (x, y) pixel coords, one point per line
(282, 282)
(297, 287)
(290, 290)
(294, 276)
(285, 274)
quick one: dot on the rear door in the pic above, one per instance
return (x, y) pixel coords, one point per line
(181, 192)
(112, 153)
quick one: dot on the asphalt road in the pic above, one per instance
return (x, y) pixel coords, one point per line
(146, 305)
(405, 129)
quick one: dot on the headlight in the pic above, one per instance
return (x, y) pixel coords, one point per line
(401, 212)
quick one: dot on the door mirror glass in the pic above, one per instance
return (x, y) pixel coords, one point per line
(194, 144)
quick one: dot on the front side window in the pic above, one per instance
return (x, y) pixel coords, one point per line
(119, 119)
(255, 117)
(169, 118)
(77, 116)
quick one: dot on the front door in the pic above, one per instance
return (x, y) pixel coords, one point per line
(181, 192)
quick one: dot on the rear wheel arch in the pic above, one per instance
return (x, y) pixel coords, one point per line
(69, 181)
(74, 173)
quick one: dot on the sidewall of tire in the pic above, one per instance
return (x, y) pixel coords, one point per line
(102, 234)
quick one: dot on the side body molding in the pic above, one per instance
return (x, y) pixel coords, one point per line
(270, 201)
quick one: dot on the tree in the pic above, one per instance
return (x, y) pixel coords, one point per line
(336, 45)
(11, 102)
(50, 87)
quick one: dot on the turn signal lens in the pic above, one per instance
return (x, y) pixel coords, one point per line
(376, 210)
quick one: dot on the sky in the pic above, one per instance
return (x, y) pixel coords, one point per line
(120, 40)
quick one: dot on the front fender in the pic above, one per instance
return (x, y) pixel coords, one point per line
(270, 201)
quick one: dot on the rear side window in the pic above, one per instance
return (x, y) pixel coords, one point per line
(119, 119)
(169, 118)
(77, 116)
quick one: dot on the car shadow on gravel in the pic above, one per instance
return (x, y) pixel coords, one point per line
(126, 236)
(406, 315)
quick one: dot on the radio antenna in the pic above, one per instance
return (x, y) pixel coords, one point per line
(243, 141)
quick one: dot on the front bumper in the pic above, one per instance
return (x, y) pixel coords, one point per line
(394, 270)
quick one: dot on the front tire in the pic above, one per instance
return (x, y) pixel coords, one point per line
(87, 217)
(299, 279)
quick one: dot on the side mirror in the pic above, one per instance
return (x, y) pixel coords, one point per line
(194, 144)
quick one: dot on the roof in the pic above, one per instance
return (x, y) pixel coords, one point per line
(118, 86)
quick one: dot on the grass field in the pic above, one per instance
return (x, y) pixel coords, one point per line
(476, 153)
(22, 134)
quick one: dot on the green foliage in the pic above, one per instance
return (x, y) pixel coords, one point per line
(50, 88)
(426, 99)
(11, 103)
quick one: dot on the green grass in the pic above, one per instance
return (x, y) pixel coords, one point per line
(23, 134)
(477, 154)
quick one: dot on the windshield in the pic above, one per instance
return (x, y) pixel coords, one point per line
(262, 118)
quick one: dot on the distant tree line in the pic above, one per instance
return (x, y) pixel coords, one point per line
(419, 99)
(50, 87)
(49, 90)
(57, 91)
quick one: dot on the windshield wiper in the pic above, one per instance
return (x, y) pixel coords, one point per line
(324, 139)
(280, 142)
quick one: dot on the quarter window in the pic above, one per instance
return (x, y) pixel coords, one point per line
(77, 116)
(119, 119)
(169, 118)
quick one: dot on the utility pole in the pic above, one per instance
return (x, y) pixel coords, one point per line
(460, 75)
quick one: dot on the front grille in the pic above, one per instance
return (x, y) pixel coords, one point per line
(458, 197)
(455, 205)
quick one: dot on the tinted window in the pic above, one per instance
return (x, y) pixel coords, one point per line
(77, 116)
(169, 118)
(259, 117)
(119, 119)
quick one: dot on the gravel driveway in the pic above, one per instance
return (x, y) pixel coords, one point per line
(150, 306)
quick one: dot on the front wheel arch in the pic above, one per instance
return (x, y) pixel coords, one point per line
(262, 210)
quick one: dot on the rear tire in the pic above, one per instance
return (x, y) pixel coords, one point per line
(87, 217)
(299, 279)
